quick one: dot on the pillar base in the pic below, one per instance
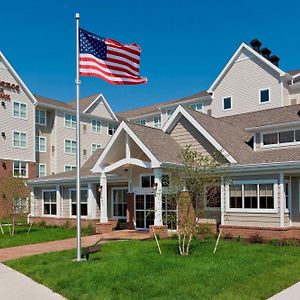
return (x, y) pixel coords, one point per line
(105, 227)
(161, 230)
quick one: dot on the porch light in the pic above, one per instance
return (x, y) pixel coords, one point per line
(4, 165)
(100, 188)
(155, 186)
(3, 104)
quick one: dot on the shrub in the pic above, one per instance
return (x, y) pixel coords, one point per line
(238, 238)
(204, 231)
(42, 224)
(227, 236)
(67, 224)
(255, 238)
(284, 242)
(90, 229)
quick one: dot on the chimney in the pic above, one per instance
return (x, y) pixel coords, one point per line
(266, 53)
(256, 45)
(274, 59)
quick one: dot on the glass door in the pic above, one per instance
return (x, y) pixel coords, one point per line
(144, 210)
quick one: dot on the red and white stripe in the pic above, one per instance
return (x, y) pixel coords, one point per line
(121, 66)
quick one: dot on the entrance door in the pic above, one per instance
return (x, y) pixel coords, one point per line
(144, 210)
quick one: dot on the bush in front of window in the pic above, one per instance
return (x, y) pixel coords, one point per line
(256, 238)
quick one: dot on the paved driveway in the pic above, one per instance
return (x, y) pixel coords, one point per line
(33, 249)
(291, 293)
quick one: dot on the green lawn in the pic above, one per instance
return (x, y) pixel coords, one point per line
(135, 270)
(37, 234)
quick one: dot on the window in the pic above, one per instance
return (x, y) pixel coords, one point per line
(264, 96)
(69, 168)
(141, 122)
(20, 169)
(20, 110)
(227, 103)
(95, 147)
(41, 170)
(21, 205)
(258, 196)
(49, 206)
(157, 122)
(213, 197)
(20, 139)
(197, 106)
(287, 193)
(70, 121)
(170, 112)
(235, 196)
(119, 204)
(165, 180)
(282, 137)
(112, 128)
(70, 147)
(96, 126)
(147, 181)
(40, 117)
(40, 144)
(83, 201)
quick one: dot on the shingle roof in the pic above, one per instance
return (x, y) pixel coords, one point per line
(84, 102)
(265, 117)
(45, 100)
(85, 170)
(161, 144)
(155, 107)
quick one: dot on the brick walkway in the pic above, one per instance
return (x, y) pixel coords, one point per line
(33, 249)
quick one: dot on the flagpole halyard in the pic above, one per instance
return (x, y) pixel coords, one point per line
(78, 192)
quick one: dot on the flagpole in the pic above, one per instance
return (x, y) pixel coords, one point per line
(78, 193)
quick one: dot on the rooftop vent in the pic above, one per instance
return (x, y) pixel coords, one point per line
(274, 59)
(265, 53)
(256, 45)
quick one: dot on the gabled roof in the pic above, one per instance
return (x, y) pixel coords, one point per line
(233, 59)
(155, 108)
(86, 103)
(50, 101)
(18, 78)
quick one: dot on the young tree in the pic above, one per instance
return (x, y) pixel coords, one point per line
(198, 180)
(13, 191)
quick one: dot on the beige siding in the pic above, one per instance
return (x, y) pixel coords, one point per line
(242, 83)
(99, 109)
(8, 123)
(185, 134)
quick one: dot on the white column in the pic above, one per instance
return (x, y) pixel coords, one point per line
(103, 198)
(158, 197)
(32, 203)
(58, 202)
(281, 199)
(222, 200)
(91, 202)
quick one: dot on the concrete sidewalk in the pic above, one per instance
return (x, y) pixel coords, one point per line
(291, 293)
(16, 286)
(33, 249)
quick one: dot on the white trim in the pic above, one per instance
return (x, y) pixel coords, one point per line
(282, 199)
(234, 58)
(87, 201)
(27, 169)
(274, 126)
(96, 132)
(112, 201)
(105, 103)
(70, 127)
(181, 111)
(18, 79)
(13, 139)
(71, 140)
(13, 110)
(123, 126)
(128, 161)
(259, 96)
(38, 123)
(223, 103)
(38, 168)
(39, 138)
(278, 144)
(253, 210)
(48, 190)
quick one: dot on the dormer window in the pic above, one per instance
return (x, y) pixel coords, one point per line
(281, 138)
(264, 95)
(227, 103)
(170, 112)
(197, 106)
(141, 122)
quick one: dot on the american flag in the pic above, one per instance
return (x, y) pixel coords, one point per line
(108, 59)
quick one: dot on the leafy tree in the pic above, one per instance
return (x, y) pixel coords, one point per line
(13, 193)
(197, 181)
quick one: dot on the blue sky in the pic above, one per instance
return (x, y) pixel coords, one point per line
(185, 43)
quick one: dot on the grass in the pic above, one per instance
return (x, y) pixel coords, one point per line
(37, 234)
(135, 270)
